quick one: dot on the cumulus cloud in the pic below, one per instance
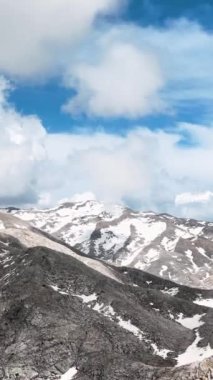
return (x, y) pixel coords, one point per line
(125, 82)
(141, 70)
(145, 169)
(128, 71)
(185, 51)
(37, 37)
(21, 151)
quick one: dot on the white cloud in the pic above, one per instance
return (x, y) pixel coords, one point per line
(127, 71)
(137, 71)
(144, 169)
(37, 37)
(195, 205)
(187, 198)
(124, 82)
(83, 197)
(185, 53)
(21, 151)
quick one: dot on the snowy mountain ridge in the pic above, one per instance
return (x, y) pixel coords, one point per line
(21, 230)
(64, 315)
(173, 248)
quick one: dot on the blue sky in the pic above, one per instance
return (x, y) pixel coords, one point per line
(159, 12)
(112, 98)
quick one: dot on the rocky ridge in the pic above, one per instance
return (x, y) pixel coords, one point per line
(64, 315)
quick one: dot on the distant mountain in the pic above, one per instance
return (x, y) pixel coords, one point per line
(66, 316)
(177, 249)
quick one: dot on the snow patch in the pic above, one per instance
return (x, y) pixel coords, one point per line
(87, 299)
(2, 227)
(208, 302)
(189, 254)
(163, 269)
(57, 289)
(160, 352)
(194, 353)
(152, 255)
(127, 325)
(190, 322)
(168, 244)
(69, 375)
(203, 253)
(172, 292)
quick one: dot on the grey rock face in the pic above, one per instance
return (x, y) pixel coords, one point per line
(180, 250)
(62, 311)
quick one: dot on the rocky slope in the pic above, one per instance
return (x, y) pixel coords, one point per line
(172, 248)
(66, 316)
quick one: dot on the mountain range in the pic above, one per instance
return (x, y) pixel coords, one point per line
(96, 292)
(180, 250)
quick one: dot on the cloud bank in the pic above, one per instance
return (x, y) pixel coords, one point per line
(145, 169)
(118, 71)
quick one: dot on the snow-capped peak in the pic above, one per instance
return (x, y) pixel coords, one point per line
(174, 248)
